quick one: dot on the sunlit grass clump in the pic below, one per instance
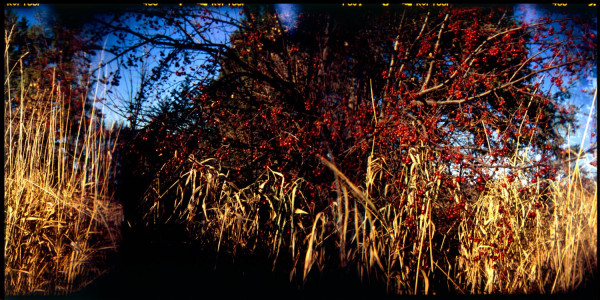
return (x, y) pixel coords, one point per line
(60, 219)
(528, 240)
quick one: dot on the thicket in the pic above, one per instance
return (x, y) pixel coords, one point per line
(415, 148)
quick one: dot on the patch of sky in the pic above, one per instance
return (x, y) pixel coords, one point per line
(35, 15)
(132, 76)
(288, 15)
(582, 90)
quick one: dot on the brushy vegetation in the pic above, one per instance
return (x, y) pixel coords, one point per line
(411, 227)
(530, 240)
(518, 236)
(61, 221)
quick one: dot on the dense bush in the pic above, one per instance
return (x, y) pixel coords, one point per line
(364, 141)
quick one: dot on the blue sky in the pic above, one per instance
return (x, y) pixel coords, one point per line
(131, 76)
(582, 91)
(288, 15)
(35, 15)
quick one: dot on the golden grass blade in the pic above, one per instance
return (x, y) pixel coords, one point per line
(355, 190)
(309, 258)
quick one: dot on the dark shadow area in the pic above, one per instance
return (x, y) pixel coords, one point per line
(159, 268)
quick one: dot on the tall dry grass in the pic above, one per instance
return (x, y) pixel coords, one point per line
(534, 238)
(60, 220)
(530, 242)
(495, 245)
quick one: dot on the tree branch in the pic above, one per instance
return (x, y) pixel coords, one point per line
(458, 101)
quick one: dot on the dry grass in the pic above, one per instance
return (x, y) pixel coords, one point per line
(401, 243)
(534, 238)
(380, 240)
(510, 246)
(60, 220)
